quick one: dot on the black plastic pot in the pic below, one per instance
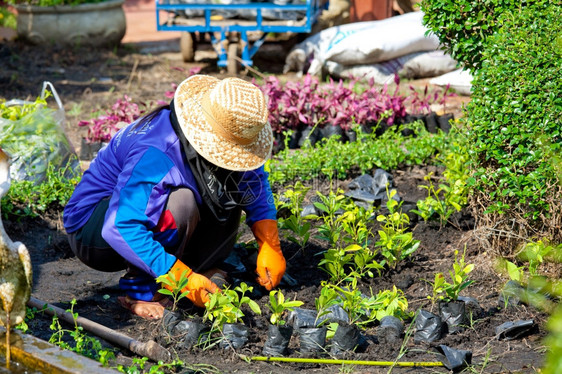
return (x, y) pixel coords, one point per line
(365, 128)
(278, 142)
(235, 335)
(351, 135)
(429, 327)
(191, 333)
(455, 359)
(312, 339)
(187, 333)
(301, 318)
(453, 313)
(411, 118)
(294, 139)
(331, 130)
(516, 329)
(381, 128)
(312, 134)
(170, 320)
(390, 330)
(346, 338)
(431, 122)
(334, 314)
(444, 121)
(278, 338)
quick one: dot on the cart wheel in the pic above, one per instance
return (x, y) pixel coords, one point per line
(187, 47)
(232, 64)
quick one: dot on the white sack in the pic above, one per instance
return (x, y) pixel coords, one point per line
(459, 80)
(413, 65)
(363, 43)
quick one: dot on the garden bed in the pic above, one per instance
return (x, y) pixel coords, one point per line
(60, 278)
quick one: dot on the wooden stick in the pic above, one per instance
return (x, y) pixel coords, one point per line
(150, 349)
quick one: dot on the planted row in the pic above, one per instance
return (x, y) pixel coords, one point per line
(308, 103)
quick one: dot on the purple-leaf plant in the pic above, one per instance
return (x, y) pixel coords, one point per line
(341, 104)
(102, 128)
(309, 103)
(273, 91)
(123, 112)
(421, 103)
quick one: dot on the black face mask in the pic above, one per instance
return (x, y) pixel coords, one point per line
(214, 183)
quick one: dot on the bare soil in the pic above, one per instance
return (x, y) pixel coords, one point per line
(92, 80)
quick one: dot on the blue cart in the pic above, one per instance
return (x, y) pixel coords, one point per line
(236, 30)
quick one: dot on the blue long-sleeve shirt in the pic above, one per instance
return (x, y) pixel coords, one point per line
(137, 170)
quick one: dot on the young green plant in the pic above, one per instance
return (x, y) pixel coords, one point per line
(354, 223)
(295, 223)
(82, 343)
(395, 243)
(174, 286)
(331, 228)
(443, 290)
(363, 310)
(279, 306)
(353, 261)
(226, 306)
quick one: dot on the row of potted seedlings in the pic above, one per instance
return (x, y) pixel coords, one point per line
(299, 108)
(222, 322)
(227, 330)
(296, 138)
(309, 110)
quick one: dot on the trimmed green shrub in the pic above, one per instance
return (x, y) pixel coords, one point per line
(462, 26)
(514, 122)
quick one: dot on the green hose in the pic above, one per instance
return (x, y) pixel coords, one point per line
(339, 362)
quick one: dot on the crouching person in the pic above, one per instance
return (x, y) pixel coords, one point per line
(167, 193)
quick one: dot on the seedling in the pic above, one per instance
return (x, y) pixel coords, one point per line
(443, 201)
(365, 263)
(335, 262)
(349, 298)
(174, 286)
(330, 229)
(363, 310)
(353, 261)
(295, 222)
(395, 243)
(446, 291)
(279, 306)
(535, 253)
(354, 225)
(83, 344)
(326, 299)
(532, 255)
(226, 306)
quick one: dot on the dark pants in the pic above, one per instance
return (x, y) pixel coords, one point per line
(203, 243)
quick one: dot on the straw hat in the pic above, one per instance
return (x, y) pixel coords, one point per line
(225, 121)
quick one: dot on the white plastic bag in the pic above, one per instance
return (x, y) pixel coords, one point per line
(37, 140)
(459, 80)
(363, 43)
(413, 65)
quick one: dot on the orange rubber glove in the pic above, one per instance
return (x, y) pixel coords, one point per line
(199, 286)
(271, 264)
